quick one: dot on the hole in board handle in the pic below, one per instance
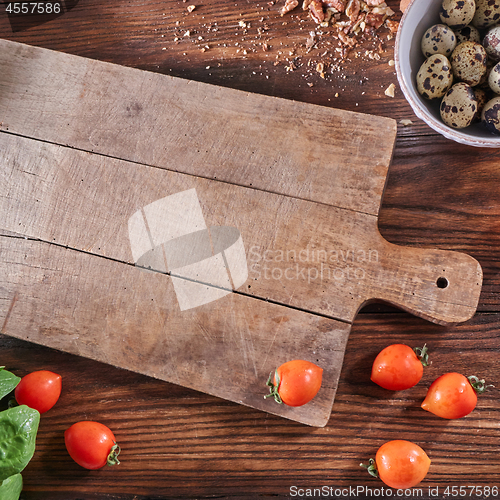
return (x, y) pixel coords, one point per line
(442, 282)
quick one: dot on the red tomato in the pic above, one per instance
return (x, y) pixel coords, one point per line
(399, 367)
(295, 382)
(39, 390)
(91, 445)
(400, 464)
(452, 395)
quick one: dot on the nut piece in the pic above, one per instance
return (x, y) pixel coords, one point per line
(289, 6)
(389, 91)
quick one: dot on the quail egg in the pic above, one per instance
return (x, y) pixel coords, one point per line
(467, 34)
(468, 62)
(438, 39)
(490, 117)
(494, 79)
(482, 99)
(459, 106)
(487, 13)
(434, 77)
(491, 43)
(457, 13)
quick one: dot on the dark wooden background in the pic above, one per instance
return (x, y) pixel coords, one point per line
(178, 443)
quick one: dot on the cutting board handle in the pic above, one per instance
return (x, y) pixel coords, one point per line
(438, 285)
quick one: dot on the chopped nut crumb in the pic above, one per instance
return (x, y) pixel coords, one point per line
(392, 25)
(289, 6)
(405, 122)
(389, 91)
(316, 11)
(311, 41)
(190, 8)
(391, 63)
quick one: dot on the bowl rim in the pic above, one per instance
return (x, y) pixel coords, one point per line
(421, 112)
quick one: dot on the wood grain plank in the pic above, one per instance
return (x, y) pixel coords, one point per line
(192, 445)
(110, 312)
(150, 34)
(316, 153)
(178, 443)
(446, 193)
(306, 255)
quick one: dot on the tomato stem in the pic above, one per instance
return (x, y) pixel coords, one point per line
(371, 467)
(422, 354)
(113, 455)
(12, 403)
(478, 385)
(273, 388)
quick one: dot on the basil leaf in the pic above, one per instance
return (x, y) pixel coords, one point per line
(10, 488)
(8, 382)
(18, 428)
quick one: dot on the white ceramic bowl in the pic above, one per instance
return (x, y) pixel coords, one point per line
(418, 17)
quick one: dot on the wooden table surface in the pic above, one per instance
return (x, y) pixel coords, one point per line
(178, 443)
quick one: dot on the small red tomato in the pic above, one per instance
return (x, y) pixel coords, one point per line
(452, 395)
(91, 445)
(400, 464)
(295, 382)
(399, 367)
(39, 390)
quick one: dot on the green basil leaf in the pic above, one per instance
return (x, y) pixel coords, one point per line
(10, 488)
(18, 428)
(8, 382)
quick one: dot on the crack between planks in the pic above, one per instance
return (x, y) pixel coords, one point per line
(8, 132)
(271, 301)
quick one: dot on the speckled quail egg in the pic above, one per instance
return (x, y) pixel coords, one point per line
(457, 13)
(481, 98)
(487, 14)
(459, 106)
(468, 62)
(467, 34)
(491, 43)
(494, 79)
(434, 77)
(490, 117)
(438, 39)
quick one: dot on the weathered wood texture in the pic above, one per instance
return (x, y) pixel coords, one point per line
(178, 443)
(83, 201)
(317, 153)
(334, 259)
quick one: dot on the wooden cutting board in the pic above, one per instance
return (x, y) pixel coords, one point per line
(256, 217)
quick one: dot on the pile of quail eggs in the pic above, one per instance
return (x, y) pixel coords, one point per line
(463, 63)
